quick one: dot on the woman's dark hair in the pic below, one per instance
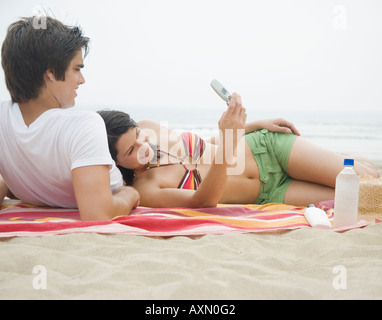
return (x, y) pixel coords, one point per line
(117, 123)
(29, 50)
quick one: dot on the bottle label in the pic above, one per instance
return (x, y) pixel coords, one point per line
(345, 209)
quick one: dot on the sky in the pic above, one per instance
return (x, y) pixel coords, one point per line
(277, 54)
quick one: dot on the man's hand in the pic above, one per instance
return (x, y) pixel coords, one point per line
(3, 189)
(128, 195)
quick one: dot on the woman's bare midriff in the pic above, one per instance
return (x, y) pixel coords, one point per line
(240, 188)
(243, 187)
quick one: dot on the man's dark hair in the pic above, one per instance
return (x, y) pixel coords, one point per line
(28, 51)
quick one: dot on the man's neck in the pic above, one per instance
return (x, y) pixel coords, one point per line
(34, 108)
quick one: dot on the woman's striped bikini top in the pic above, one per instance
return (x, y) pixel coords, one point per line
(194, 147)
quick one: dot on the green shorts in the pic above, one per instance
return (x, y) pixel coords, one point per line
(271, 151)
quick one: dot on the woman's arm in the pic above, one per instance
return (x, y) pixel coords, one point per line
(273, 125)
(212, 187)
(152, 194)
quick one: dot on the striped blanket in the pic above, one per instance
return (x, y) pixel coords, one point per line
(18, 220)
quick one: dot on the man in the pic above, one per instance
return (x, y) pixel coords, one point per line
(51, 155)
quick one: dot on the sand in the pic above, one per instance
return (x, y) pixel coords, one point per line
(298, 264)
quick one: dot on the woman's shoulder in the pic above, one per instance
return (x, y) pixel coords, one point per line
(157, 132)
(144, 124)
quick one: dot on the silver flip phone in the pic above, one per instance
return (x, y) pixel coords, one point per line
(221, 91)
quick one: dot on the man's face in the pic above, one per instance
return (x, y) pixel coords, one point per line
(65, 91)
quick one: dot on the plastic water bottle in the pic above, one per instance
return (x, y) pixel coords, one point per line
(346, 196)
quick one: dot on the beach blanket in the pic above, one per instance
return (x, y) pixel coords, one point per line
(18, 220)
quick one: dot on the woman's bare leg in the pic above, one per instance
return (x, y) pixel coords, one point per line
(302, 193)
(311, 163)
(314, 170)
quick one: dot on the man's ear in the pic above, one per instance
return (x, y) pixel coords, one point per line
(49, 75)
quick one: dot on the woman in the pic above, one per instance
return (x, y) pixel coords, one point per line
(271, 163)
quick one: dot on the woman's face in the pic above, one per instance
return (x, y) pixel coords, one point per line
(133, 150)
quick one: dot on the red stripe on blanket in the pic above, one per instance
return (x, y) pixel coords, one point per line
(29, 220)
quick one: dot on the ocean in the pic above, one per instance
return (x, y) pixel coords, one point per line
(357, 132)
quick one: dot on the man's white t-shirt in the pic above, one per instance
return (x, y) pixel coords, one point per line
(36, 161)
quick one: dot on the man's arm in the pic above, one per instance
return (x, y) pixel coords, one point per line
(94, 197)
